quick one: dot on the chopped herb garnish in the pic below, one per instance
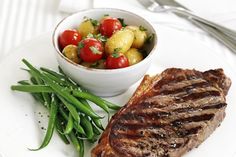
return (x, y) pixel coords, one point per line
(94, 65)
(85, 18)
(150, 38)
(80, 45)
(122, 22)
(106, 15)
(115, 55)
(90, 35)
(117, 50)
(101, 38)
(141, 28)
(94, 22)
(95, 50)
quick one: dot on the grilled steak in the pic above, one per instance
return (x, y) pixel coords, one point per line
(168, 115)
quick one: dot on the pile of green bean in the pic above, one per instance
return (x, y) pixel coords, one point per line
(70, 113)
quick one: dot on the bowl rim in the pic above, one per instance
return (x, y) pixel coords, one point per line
(78, 66)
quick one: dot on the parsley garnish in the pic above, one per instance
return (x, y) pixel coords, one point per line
(101, 37)
(80, 45)
(105, 15)
(115, 55)
(90, 35)
(95, 50)
(149, 38)
(122, 22)
(141, 28)
(94, 65)
(117, 49)
(94, 22)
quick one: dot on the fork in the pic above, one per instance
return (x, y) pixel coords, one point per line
(223, 34)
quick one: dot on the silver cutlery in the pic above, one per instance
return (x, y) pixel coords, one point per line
(221, 33)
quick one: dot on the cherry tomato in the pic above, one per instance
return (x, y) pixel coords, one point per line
(116, 60)
(90, 50)
(69, 37)
(109, 26)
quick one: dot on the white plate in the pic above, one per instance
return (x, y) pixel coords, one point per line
(19, 113)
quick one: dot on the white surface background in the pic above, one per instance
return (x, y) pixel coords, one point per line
(23, 20)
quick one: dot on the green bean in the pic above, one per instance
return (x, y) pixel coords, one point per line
(24, 82)
(77, 127)
(92, 98)
(71, 109)
(33, 80)
(52, 72)
(59, 77)
(60, 91)
(88, 128)
(45, 96)
(111, 105)
(60, 130)
(81, 143)
(37, 96)
(69, 125)
(75, 141)
(33, 88)
(51, 123)
(95, 130)
(97, 122)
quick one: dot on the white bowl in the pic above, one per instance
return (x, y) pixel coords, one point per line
(103, 82)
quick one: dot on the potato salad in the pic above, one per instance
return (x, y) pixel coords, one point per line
(108, 43)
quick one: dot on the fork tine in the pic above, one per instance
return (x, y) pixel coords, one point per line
(151, 5)
(146, 3)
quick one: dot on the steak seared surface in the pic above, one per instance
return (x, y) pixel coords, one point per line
(168, 115)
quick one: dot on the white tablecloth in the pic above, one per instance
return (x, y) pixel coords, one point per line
(23, 20)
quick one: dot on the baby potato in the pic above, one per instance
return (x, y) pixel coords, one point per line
(87, 27)
(134, 56)
(100, 64)
(71, 52)
(140, 36)
(120, 41)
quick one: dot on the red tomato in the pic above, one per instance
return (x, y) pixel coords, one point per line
(69, 37)
(109, 26)
(116, 60)
(90, 50)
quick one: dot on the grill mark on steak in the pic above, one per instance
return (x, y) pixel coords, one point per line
(190, 109)
(194, 96)
(199, 118)
(172, 90)
(155, 125)
(184, 133)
